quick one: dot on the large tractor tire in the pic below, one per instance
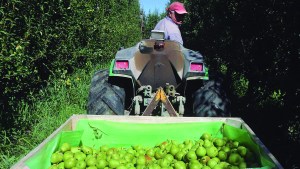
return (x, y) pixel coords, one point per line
(210, 101)
(104, 98)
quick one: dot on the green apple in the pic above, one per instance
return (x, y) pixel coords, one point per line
(194, 165)
(75, 149)
(79, 156)
(201, 151)
(81, 164)
(54, 166)
(87, 150)
(65, 147)
(191, 155)
(218, 142)
(242, 150)
(61, 165)
(207, 143)
(212, 151)
(211, 163)
(222, 155)
(56, 158)
(67, 155)
(206, 136)
(102, 163)
(234, 159)
(179, 165)
(91, 161)
(70, 163)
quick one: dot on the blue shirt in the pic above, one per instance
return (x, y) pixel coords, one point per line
(171, 29)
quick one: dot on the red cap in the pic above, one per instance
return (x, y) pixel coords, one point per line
(178, 7)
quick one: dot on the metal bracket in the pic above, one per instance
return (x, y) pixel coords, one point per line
(160, 96)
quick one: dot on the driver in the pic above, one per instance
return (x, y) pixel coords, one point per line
(170, 24)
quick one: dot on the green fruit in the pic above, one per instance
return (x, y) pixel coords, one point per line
(115, 156)
(191, 155)
(224, 164)
(101, 155)
(207, 143)
(91, 161)
(235, 144)
(179, 165)
(211, 163)
(216, 159)
(218, 166)
(233, 167)
(153, 166)
(128, 157)
(201, 151)
(91, 167)
(70, 163)
(113, 163)
(181, 146)
(169, 157)
(79, 156)
(67, 155)
(140, 167)
(234, 159)
(188, 144)
(242, 150)
(200, 142)
(174, 149)
(222, 155)
(102, 163)
(204, 159)
(179, 156)
(218, 142)
(81, 164)
(61, 165)
(141, 160)
(206, 136)
(195, 165)
(54, 166)
(225, 149)
(56, 158)
(121, 167)
(159, 153)
(164, 162)
(75, 149)
(65, 147)
(242, 165)
(150, 152)
(212, 151)
(195, 146)
(205, 167)
(129, 165)
(104, 148)
(87, 150)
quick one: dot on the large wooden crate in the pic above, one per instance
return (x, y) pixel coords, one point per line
(71, 123)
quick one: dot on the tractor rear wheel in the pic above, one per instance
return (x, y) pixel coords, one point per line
(210, 101)
(104, 98)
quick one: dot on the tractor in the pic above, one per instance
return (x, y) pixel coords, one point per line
(157, 77)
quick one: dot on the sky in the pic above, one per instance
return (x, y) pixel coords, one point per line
(152, 5)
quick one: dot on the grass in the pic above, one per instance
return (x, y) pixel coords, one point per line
(53, 105)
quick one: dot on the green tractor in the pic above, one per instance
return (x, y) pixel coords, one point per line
(157, 77)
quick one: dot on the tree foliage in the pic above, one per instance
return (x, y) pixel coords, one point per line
(150, 22)
(255, 45)
(46, 39)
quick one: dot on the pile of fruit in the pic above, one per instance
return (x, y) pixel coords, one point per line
(207, 152)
